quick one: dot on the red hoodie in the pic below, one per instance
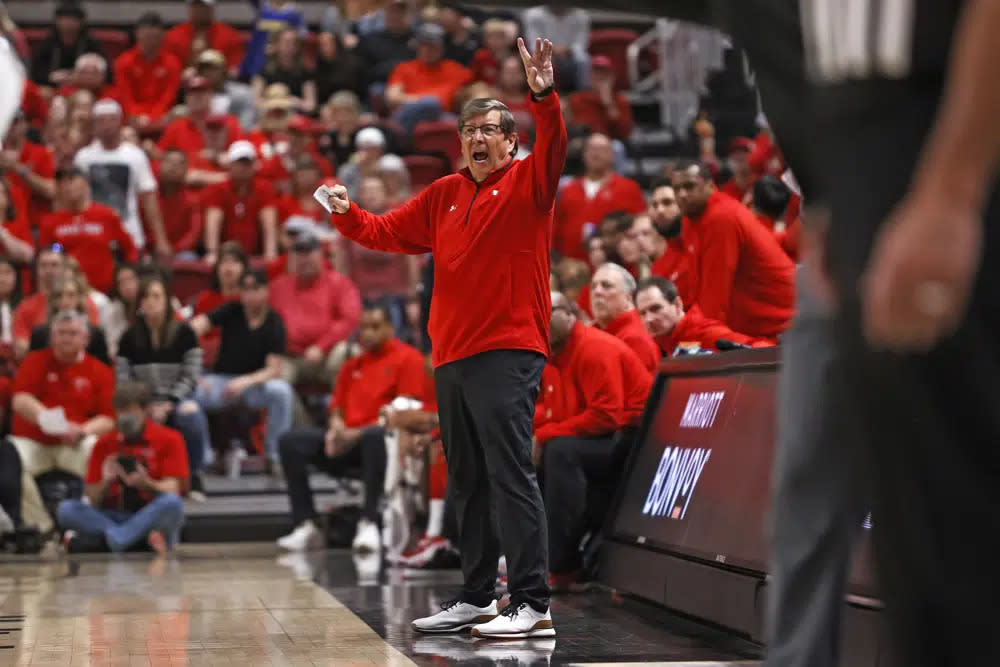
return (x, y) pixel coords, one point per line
(745, 279)
(694, 327)
(629, 329)
(675, 264)
(491, 246)
(604, 386)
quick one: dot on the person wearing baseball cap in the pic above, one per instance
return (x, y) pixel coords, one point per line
(370, 145)
(148, 75)
(242, 208)
(600, 107)
(188, 133)
(201, 28)
(232, 97)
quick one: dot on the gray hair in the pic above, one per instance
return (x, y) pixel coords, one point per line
(74, 316)
(628, 282)
(483, 105)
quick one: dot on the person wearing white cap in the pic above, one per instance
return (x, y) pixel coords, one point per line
(370, 145)
(396, 177)
(241, 209)
(121, 178)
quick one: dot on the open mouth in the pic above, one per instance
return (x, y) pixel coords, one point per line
(480, 156)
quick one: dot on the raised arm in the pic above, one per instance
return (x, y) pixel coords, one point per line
(548, 157)
(404, 230)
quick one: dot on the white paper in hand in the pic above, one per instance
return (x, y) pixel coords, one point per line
(322, 195)
(53, 421)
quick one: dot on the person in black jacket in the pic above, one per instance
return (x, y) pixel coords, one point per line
(162, 352)
(53, 59)
(70, 293)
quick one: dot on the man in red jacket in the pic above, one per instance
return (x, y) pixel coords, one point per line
(148, 75)
(604, 387)
(611, 291)
(745, 280)
(663, 315)
(490, 230)
(675, 263)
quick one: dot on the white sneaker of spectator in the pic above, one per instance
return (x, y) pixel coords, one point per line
(306, 536)
(517, 621)
(368, 538)
(456, 616)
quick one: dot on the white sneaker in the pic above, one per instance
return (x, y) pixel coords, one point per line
(456, 616)
(518, 621)
(368, 538)
(306, 536)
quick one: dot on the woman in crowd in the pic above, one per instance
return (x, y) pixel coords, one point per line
(120, 312)
(70, 293)
(287, 65)
(99, 299)
(342, 115)
(226, 274)
(162, 352)
(337, 68)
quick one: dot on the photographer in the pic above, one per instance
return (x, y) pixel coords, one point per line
(134, 479)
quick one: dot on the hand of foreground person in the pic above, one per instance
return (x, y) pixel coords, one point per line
(920, 275)
(338, 199)
(538, 65)
(111, 469)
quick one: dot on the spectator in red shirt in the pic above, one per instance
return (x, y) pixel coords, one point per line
(611, 290)
(584, 202)
(86, 230)
(675, 263)
(148, 75)
(386, 369)
(424, 88)
(16, 242)
(498, 44)
(600, 107)
(29, 168)
(745, 280)
(741, 176)
(202, 135)
(662, 311)
(320, 308)
(604, 387)
(180, 205)
(91, 74)
(135, 475)
(242, 209)
(62, 404)
(306, 176)
(201, 31)
(770, 205)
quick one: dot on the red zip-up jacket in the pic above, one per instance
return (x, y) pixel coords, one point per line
(745, 280)
(694, 327)
(629, 329)
(675, 264)
(604, 386)
(491, 246)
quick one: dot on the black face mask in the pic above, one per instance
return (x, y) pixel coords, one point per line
(131, 426)
(669, 229)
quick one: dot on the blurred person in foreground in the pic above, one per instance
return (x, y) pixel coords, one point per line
(489, 229)
(135, 477)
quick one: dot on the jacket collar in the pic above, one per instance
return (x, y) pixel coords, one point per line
(493, 176)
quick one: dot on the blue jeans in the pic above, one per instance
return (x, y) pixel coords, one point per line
(164, 513)
(193, 427)
(275, 396)
(426, 108)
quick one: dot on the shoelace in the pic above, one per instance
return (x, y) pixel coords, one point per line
(512, 610)
(448, 604)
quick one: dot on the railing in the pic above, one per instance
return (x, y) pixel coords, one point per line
(685, 54)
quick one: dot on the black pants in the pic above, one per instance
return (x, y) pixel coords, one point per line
(929, 423)
(10, 481)
(487, 404)
(580, 475)
(301, 447)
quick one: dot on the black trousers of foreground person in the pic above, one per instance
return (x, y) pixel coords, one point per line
(486, 403)
(10, 481)
(301, 447)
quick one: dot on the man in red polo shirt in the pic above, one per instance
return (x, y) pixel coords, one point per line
(662, 312)
(584, 202)
(201, 31)
(241, 209)
(62, 404)
(604, 387)
(135, 477)
(611, 289)
(745, 280)
(600, 107)
(180, 205)
(148, 75)
(29, 169)
(385, 370)
(86, 230)
(191, 133)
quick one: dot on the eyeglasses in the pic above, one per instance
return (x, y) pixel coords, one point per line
(489, 131)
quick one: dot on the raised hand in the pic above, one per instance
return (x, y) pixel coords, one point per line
(338, 199)
(537, 65)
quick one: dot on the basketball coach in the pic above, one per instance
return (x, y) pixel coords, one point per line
(489, 228)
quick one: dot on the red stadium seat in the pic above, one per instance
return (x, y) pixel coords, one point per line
(113, 42)
(613, 43)
(437, 138)
(35, 36)
(424, 170)
(190, 279)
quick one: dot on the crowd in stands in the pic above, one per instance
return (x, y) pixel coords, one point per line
(202, 145)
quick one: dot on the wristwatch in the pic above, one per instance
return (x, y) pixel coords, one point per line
(538, 97)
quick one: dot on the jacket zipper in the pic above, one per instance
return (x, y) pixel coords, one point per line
(469, 212)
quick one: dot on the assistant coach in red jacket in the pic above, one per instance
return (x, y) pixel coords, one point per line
(490, 230)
